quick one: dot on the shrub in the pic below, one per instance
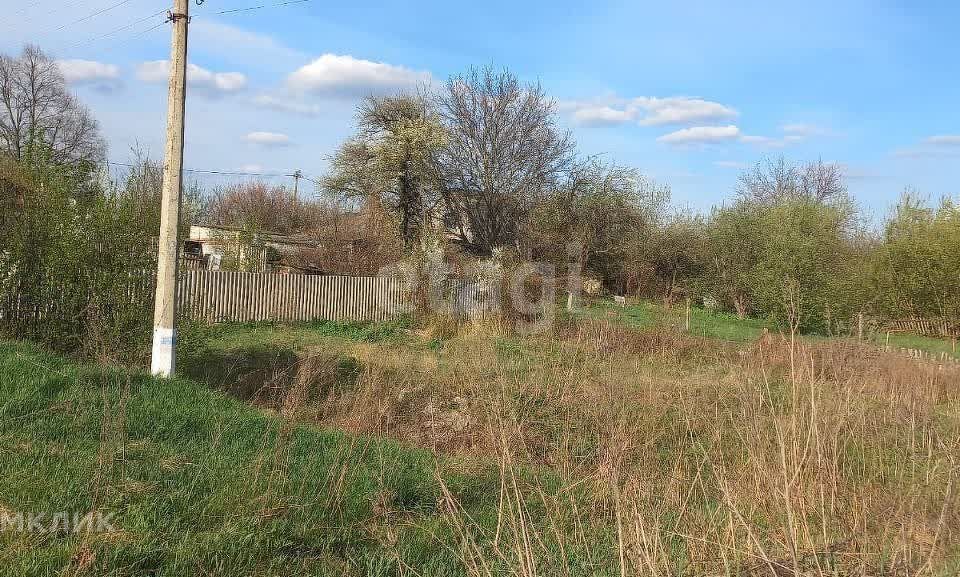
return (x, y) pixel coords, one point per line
(76, 269)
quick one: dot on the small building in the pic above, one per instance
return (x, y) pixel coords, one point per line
(214, 247)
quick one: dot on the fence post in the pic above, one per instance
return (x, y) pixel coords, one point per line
(687, 318)
(860, 326)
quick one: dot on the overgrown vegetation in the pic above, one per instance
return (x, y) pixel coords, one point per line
(792, 247)
(691, 433)
(77, 249)
(601, 449)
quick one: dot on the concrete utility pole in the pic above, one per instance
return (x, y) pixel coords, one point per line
(297, 175)
(164, 312)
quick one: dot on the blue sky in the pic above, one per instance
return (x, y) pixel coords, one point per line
(688, 92)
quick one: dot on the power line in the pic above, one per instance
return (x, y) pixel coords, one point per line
(15, 18)
(145, 18)
(148, 30)
(234, 173)
(121, 29)
(89, 16)
(231, 172)
(248, 9)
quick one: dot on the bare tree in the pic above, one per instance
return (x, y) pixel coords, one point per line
(39, 116)
(503, 153)
(772, 181)
(602, 208)
(256, 206)
(823, 182)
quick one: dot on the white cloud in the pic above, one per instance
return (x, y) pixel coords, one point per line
(597, 113)
(251, 168)
(344, 76)
(945, 140)
(220, 81)
(268, 139)
(649, 111)
(90, 72)
(601, 116)
(791, 133)
(286, 105)
(701, 135)
(682, 110)
(201, 79)
(937, 146)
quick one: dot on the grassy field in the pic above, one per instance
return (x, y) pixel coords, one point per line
(921, 343)
(614, 445)
(711, 324)
(728, 327)
(200, 483)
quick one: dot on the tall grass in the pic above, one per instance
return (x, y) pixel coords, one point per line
(802, 458)
(598, 450)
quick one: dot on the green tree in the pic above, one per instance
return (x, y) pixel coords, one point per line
(674, 254)
(733, 246)
(804, 272)
(599, 210)
(917, 267)
(389, 162)
(76, 272)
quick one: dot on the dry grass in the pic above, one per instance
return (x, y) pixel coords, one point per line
(597, 449)
(776, 459)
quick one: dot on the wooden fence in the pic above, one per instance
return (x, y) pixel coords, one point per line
(220, 296)
(939, 328)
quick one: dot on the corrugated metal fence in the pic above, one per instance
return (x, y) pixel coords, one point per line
(226, 296)
(222, 296)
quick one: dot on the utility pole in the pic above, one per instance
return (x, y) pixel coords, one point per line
(164, 312)
(297, 175)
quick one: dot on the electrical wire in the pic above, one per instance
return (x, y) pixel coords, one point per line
(248, 9)
(148, 30)
(89, 16)
(155, 14)
(15, 18)
(229, 172)
(145, 18)
(121, 29)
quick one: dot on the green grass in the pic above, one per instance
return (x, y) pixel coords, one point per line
(242, 357)
(298, 336)
(711, 324)
(728, 327)
(202, 484)
(928, 344)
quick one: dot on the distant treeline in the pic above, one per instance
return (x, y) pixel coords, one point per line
(481, 166)
(481, 162)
